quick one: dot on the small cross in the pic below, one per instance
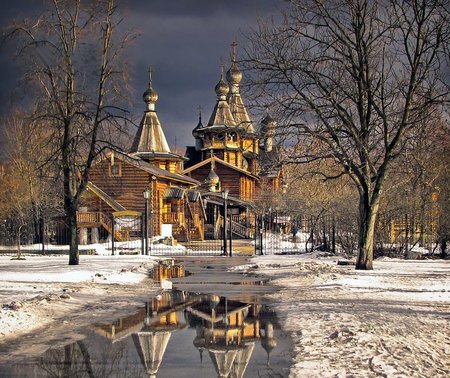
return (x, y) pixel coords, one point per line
(200, 113)
(149, 76)
(233, 51)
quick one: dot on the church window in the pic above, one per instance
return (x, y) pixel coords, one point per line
(115, 170)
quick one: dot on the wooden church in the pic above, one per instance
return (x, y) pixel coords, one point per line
(119, 180)
(184, 192)
(230, 155)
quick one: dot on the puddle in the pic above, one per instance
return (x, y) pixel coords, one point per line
(176, 334)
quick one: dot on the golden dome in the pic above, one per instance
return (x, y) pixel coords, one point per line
(212, 178)
(221, 88)
(150, 95)
(234, 76)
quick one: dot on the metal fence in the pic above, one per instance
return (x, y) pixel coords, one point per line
(272, 232)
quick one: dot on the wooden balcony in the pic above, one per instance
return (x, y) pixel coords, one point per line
(89, 219)
(173, 218)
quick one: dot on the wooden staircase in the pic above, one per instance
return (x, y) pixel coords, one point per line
(241, 228)
(92, 219)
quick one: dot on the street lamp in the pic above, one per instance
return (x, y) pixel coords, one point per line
(146, 194)
(225, 197)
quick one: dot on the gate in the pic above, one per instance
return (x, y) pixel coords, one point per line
(290, 233)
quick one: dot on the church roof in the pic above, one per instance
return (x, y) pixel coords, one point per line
(150, 136)
(237, 107)
(221, 115)
(154, 170)
(220, 161)
(239, 112)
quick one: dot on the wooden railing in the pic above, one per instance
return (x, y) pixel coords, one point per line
(241, 230)
(98, 218)
(241, 219)
(89, 217)
(173, 218)
(217, 226)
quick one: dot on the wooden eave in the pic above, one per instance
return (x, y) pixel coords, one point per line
(220, 161)
(150, 168)
(105, 197)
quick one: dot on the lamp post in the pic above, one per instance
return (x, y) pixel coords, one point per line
(146, 195)
(231, 235)
(225, 197)
(406, 223)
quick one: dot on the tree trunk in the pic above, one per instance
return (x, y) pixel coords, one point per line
(443, 244)
(74, 257)
(367, 217)
(19, 252)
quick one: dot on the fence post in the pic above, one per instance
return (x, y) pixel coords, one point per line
(255, 234)
(43, 234)
(113, 229)
(261, 230)
(142, 235)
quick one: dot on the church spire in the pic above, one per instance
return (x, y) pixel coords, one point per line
(150, 138)
(237, 107)
(150, 96)
(221, 115)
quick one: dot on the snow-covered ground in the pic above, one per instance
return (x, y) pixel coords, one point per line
(393, 321)
(40, 289)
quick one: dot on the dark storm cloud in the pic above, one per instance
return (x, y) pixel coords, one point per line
(184, 41)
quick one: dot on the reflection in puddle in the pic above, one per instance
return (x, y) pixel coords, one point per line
(177, 334)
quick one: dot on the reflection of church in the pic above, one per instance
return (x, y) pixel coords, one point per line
(227, 330)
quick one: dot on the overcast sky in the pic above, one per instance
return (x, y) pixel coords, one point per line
(184, 41)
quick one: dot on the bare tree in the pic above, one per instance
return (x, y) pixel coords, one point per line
(349, 78)
(74, 63)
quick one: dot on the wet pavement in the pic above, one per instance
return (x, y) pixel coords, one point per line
(214, 323)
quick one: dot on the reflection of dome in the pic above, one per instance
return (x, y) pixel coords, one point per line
(268, 342)
(214, 300)
(199, 341)
(234, 76)
(221, 88)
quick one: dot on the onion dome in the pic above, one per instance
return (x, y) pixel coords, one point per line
(268, 120)
(221, 88)
(150, 96)
(234, 75)
(212, 178)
